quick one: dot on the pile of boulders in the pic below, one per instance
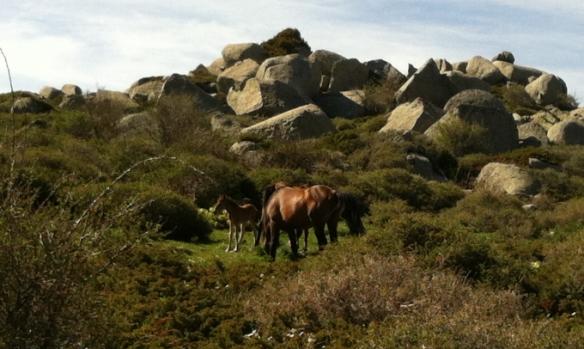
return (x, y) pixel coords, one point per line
(294, 96)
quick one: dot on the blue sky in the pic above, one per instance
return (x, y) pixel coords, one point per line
(111, 43)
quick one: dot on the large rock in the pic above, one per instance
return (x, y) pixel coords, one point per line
(422, 166)
(143, 123)
(70, 89)
(417, 116)
(51, 93)
(485, 70)
(115, 98)
(547, 89)
(428, 84)
(293, 69)
(484, 109)
(236, 75)
(532, 134)
(504, 56)
(346, 104)
(577, 114)
(181, 86)
(516, 73)
(304, 122)
(383, 71)
(265, 98)
(30, 105)
(505, 178)
(348, 74)
(460, 66)
(238, 52)
(72, 102)
(325, 59)
(146, 90)
(217, 66)
(550, 116)
(443, 65)
(567, 132)
(462, 82)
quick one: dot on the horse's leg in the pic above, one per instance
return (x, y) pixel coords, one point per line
(305, 241)
(240, 238)
(319, 232)
(293, 237)
(332, 228)
(229, 244)
(274, 239)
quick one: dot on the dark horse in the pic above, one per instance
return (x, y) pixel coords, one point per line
(294, 209)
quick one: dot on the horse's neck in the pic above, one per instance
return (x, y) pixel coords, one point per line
(230, 205)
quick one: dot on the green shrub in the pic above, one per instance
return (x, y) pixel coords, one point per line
(516, 99)
(380, 152)
(286, 42)
(178, 218)
(485, 212)
(262, 177)
(460, 137)
(559, 186)
(385, 185)
(346, 141)
(379, 97)
(444, 195)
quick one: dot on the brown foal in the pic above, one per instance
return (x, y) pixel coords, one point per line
(239, 216)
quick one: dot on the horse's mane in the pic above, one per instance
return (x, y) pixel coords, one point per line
(352, 202)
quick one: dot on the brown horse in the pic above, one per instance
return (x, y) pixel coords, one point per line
(239, 216)
(294, 209)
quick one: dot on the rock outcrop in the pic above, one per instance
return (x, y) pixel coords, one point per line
(146, 90)
(485, 70)
(51, 93)
(428, 84)
(483, 109)
(181, 86)
(346, 104)
(234, 53)
(505, 178)
(294, 70)
(304, 122)
(265, 98)
(30, 105)
(325, 59)
(567, 132)
(348, 74)
(532, 134)
(547, 89)
(236, 75)
(516, 73)
(417, 116)
(504, 56)
(70, 90)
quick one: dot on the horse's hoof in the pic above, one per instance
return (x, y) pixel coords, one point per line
(227, 250)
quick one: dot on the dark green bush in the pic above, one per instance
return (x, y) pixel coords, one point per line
(515, 98)
(392, 184)
(286, 42)
(178, 218)
(379, 152)
(444, 195)
(459, 137)
(379, 97)
(262, 177)
(558, 185)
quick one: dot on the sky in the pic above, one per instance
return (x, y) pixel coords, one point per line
(112, 43)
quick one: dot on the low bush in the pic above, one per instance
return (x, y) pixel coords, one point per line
(516, 99)
(286, 42)
(460, 137)
(262, 177)
(379, 97)
(558, 185)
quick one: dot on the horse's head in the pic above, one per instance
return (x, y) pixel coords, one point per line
(353, 209)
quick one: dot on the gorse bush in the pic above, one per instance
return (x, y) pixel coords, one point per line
(286, 42)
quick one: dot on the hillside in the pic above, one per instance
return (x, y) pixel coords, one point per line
(473, 172)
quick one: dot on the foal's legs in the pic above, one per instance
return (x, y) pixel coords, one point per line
(240, 237)
(230, 237)
(305, 241)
